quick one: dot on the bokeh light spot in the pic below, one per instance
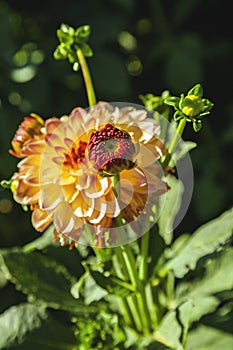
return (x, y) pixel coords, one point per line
(127, 41)
(6, 206)
(134, 66)
(14, 98)
(23, 75)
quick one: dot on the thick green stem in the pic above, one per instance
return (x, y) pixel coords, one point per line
(132, 302)
(144, 256)
(140, 294)
(173, 144)
(125, 257)
(87, 78)
(125, 311)
(151, 306)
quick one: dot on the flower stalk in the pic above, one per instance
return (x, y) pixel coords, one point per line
(87, 78)
(174, 142)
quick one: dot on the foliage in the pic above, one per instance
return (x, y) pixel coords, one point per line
(187, 287)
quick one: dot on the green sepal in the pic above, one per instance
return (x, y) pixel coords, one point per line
(86, 49)
(197, 125)
(82, 34)
(65, 28)
(197, 90)
(178, 115)
(71, 57)
(60, 53)
(208, 104)
(181, 101)
(172, 101)
(25, 207)
(6, 184)
(65, 38)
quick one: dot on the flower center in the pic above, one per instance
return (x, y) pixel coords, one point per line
(76, 155)
(112, 150)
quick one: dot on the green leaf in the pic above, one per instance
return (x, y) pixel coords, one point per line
(185, 317)
(169, 331)
(111, 284)
(197, 125)
(92, 291)
(17, 321)
(197, 90)
(206, 240)
(76, 288)
(28, 326)
(41, 278)
(215, 280)
(203, 291)
(3, 280)
(207, 338)
(169, 206)
(182, 149)
(40, 243)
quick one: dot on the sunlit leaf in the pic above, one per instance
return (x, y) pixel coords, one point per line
(204, 291)
(17, 321)
(169, 332)
(206, 240)
(207, 338)
(28, 326)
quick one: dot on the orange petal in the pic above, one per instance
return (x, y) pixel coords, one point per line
(40, 219)
(51, 196)
(98, 187)
(63, 218)
(26, 194)
(82, 205)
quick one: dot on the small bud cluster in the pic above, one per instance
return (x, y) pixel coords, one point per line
(71, 41)
(192, 107)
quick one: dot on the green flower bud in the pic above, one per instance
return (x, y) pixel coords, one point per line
(192, 105)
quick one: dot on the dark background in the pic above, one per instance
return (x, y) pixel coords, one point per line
(139, 47)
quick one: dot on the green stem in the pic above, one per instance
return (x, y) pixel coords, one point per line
(140, 294)
(178, 133)
(131, 265)
(173, 144)
(91, 242)
(132, 302)
(151, 306)
(125, 311)
(121, 263)
(87, 78)
(144, 256)
(126, 258)
(115, 180)
(170, 285)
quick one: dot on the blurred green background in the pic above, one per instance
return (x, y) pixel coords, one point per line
(139, 47)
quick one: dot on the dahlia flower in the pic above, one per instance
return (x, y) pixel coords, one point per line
(30, 130)
(92, 172)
